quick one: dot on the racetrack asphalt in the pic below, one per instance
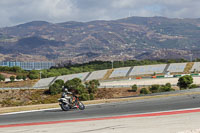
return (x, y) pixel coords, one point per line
(106, 110)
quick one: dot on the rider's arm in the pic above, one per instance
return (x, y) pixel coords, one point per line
(63, 94)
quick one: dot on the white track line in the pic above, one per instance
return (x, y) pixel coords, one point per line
(21, 112)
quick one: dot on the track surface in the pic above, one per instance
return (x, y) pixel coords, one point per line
(106, 110)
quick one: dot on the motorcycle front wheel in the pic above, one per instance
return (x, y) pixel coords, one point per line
(64, 106)
(81, 106)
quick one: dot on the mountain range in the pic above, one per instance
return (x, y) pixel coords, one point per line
(122, 39)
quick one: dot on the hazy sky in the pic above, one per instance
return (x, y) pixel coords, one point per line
(14, 12)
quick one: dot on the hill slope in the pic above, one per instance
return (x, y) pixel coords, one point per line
(129, 38)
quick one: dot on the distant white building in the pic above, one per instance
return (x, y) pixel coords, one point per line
(29, 65)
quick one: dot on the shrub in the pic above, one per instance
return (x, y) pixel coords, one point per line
(9, 102)
(134, 88)
(84, 97)
(19, 77)
(24, 77)
(165, 88)
(12, 78)
(55, 89)
(184, 82)
(33, 76)
(154, 88)
(144, 91)
(91, 96)
(51, 99)
(193, 86)
(80, 89)
(53, 74)
(2, 78)
(172, 89)
(168, 85)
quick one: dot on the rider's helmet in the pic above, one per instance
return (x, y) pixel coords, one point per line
(65, 89)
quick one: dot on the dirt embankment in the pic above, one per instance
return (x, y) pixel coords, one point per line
(108, 93)
(18, 84)
(22, 97)
(7, 75)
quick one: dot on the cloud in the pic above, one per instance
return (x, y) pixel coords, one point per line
(167, 8)
(28, 10)
(14, 12)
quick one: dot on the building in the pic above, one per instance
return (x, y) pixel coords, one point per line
(28, 65)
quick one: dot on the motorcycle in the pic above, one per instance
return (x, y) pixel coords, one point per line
(72, 103)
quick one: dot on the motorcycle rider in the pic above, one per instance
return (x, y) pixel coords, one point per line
(64, 94)
(69, 102)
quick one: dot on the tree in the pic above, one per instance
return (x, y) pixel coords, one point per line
(60, 82)
(55, 89)
(16, 69)
(92, 86)
(184, 82)
(75, 85)
(2, 78)
(12, 78)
